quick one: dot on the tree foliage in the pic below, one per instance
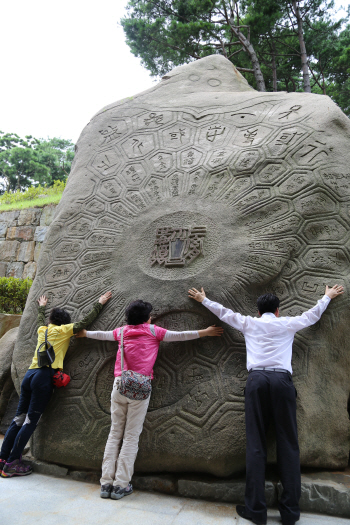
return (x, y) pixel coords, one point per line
(298, 44)
(24, 162)
(13, 294)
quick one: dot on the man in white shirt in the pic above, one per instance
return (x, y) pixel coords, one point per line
(270, 395)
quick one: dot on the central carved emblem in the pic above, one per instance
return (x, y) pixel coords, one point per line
(178, 247)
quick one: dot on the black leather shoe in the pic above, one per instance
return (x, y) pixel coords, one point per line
(241, 511)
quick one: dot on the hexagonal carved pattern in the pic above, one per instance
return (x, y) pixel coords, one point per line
(201, 181)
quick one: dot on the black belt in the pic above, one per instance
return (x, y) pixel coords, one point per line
(269, 369)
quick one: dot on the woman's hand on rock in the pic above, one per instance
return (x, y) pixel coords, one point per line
(82, 333)
(211, 331)
(42, 300)
(105, 297)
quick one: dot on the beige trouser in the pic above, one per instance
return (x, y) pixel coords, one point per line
(127, 417)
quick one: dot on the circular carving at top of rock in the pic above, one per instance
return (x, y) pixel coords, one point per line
(194, 78)
(213, 82)
(178, 245)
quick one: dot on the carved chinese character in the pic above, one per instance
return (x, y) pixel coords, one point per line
(250, 135)
(213, 132)
(137, 146)
(110, 134)
(177, 135)
(177, 247)
(291, 110)
(154, 118)
(286, 137)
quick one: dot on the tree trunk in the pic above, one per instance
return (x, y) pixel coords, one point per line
(304, 66)
(260, 83)
(274, 68)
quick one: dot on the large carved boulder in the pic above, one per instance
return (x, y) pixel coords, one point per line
(201, 181)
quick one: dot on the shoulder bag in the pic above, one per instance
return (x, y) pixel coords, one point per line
(133, 385)
(46, 356)
(45, 353)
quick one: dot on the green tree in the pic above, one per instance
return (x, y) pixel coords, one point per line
(339, 81)
(24, 162)
(278, 45)
(57, 155)
(168, 33)
(19, 166)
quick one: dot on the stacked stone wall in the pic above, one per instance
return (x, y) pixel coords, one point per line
(22, 233)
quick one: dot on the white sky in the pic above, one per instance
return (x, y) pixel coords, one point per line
(61, 62)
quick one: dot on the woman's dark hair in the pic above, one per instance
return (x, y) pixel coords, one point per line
(268, 303)
(138, 312)
(59, 316)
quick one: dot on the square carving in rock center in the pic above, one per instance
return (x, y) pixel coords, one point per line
(177, 247)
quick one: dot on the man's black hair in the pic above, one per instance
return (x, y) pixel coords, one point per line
(138, 312)
(58, 316)
(268, 303)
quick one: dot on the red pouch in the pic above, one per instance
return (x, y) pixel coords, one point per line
(60, 379)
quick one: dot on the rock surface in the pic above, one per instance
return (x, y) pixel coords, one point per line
(200, 181)
(7, 344)
(9, 321)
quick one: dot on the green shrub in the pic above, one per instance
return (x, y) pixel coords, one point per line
(32, 193)
(13, 294)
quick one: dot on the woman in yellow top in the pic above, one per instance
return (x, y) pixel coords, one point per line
(36, 387)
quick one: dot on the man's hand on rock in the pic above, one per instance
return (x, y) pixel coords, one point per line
(335, 291)
(105, 297)
(196, 295)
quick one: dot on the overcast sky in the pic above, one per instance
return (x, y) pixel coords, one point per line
(61, 62)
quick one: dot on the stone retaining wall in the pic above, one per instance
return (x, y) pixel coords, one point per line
(22, 233)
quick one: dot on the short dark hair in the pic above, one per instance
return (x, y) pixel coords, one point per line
(268, 303)
(138, 312)
(58, 316)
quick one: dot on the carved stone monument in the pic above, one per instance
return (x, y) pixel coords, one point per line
(200, 181)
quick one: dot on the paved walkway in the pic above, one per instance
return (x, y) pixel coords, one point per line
(45, 500)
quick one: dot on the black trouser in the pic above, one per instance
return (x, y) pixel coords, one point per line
(272, 396)
(36, 390)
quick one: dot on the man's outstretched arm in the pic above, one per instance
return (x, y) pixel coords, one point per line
(314, 314)
(226, 315)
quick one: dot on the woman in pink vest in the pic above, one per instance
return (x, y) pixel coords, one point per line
(141, 343)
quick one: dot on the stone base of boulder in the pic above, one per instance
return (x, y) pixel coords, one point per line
(321, 491)
(231, 491)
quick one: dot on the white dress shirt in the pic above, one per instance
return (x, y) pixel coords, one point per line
(268, 338)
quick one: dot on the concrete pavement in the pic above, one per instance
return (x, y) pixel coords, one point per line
(38, 499)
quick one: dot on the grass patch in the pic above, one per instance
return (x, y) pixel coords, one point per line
(34, 196)
(32, 203)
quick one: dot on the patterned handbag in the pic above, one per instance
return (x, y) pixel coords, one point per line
(133, 385)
